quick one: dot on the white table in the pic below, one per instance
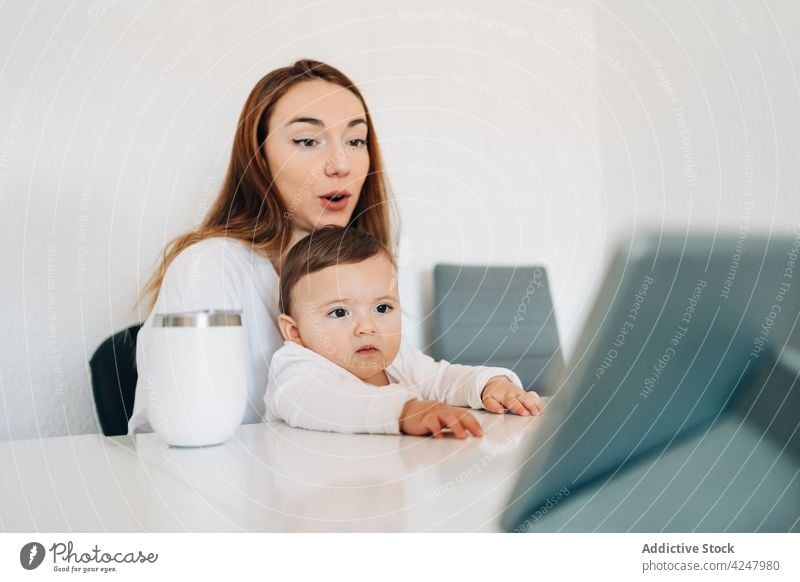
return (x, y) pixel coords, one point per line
(269, 478)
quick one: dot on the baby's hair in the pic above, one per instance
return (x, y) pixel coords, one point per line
(323, 248)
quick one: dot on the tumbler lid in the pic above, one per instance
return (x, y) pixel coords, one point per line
(205, 318)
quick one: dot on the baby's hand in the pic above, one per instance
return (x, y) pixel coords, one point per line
(424, 417)
(500, 394)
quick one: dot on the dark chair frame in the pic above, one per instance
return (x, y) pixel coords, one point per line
(114, 377)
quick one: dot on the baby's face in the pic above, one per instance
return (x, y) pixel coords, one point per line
(350, 314)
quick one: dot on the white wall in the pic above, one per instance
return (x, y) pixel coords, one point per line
(512, 135)
(704, 132)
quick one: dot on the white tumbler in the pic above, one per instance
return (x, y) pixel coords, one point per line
(197, 388)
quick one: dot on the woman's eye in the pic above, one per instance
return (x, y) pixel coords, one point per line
(357, 143)
(306, 142)
(384, 308)
(338, 312)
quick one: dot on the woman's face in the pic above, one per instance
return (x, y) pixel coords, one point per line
(316, 149)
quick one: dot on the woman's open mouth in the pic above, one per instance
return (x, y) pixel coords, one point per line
(335, 200)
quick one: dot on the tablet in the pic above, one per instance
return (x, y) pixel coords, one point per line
(679, 410)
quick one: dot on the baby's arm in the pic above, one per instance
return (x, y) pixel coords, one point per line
(453, 384)
(307, 391)
(495, 389)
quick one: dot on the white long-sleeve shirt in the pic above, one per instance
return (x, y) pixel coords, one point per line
(218, 273)
(307, 390)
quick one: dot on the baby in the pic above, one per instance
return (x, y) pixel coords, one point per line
(343, 366)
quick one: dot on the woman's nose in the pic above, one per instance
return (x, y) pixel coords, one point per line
(337, 163)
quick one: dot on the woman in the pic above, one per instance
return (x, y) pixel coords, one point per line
(304, 156)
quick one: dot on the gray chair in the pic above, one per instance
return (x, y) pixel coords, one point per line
(497, 316)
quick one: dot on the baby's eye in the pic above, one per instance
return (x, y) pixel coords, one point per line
(357, 143)
(337, 313)
(307, 142)
(383, 308)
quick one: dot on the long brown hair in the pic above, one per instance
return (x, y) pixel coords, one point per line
(248, 207)
(323, 248)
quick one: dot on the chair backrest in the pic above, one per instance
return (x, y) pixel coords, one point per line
(497, 316)
(114, 377)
